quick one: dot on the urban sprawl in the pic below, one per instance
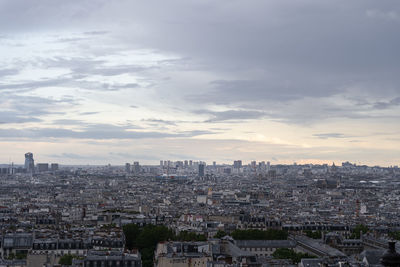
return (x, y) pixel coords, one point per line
(189, 213)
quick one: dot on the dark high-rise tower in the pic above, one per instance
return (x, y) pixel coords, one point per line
(201, 169)
(29, 163)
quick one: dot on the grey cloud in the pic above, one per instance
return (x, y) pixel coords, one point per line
(22, 109)
(381, 14)
(69, 122)
(38, 133)
(94, 131)
(278, 52)
(8, 72)
(67, 82)
(88, 113)
(96, 32)
(10, 117)
(231, 115)
(194, 133)
(35, 84)
(71, 39)
(159, 121)
(385, 105)
(85, 66)
(118, 70)
(330, 135)
(260, 91)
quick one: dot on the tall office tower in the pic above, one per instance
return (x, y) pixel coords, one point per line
(127, 167)
(214, 164)
(43, 167)
(186, 163)
(237, 164)
(268, 165)
(54, 167)
(253, 165)
(136, 167)
(261, 166)
(161, 163)
(11, 169)
(190, 162)
(29, 163)
(201, 169)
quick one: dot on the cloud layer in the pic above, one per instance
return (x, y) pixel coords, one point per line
(307, 74)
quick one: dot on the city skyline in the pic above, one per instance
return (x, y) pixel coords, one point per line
(98, 82)
(29, 164)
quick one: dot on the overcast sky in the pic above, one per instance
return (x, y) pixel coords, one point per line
(285, 81)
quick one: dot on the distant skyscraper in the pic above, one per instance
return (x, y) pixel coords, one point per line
(186, 163)
(54, 167)
(127, 167)
(161, 163)
(201, 169)
(190, 162)
(43, 167)
(253, 165)
(237, 164)
(136, 167)
(29, 163)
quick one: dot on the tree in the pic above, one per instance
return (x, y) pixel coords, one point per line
(66, 259)
(190, 236)
(395, 235)
(220, 234)
(131, 232)
(355, 234)
(313, 234)
(285, 253)
(146, 239)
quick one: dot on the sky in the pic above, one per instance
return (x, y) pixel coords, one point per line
(99, 81)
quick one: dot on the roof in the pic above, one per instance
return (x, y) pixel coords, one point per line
(235, 251)
(311, 262)
(319, 246)
(372, 256)
(266, 243)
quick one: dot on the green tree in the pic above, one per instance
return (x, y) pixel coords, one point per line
(285, 253)
(355, 233)
(131, 232)
(66, 259)
(220, 234)
(146, 239)
(395, 235)
(313, 234)
(190, 236)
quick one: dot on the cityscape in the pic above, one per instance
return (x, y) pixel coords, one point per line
(238, 214)
(199, 133)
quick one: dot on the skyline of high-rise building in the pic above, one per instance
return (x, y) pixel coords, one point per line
(29, 163)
